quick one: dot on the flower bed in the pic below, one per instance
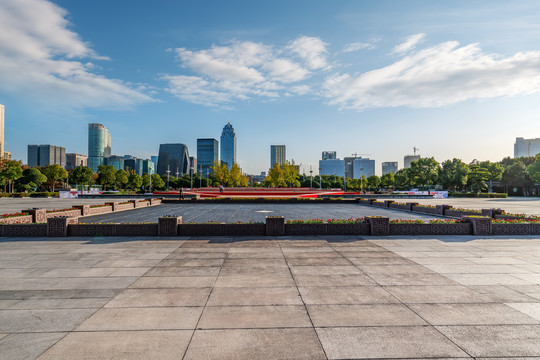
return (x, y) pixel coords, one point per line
(399, 206)
(73, 212)
(16, 218)
(102, 209)
(425, 209)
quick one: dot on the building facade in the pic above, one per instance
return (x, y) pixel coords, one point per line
(74, 160)
(207, 153)
(329, 155)
(408, 159)
(228, 146)
(526, 147)
(332, 167)
(278, 154)
(43, 155)
(363, 166)
(133, 165)
(192, 165)
(99, 145)
(117, 162)
(2, 131)
(149, 167)
(389, 167)
(173, 157)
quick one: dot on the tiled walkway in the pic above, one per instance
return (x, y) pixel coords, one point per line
(223, 298)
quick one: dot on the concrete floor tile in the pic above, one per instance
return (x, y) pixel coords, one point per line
(132, 345)
(183, 271)
(395, 269)
(190, 262)
(495, 340)
(437, 294)
(119, 282)
(386, 342)
(531, 278)
(312, 254)
(267, 280)
(26, 346)
(531, 309)
(130, 271)
(475, 269)
(411, 279)
(254, 255)
(325, 270)
(255, 344)
(231, 317)
(255, 296)
(369, 254)
(499, 293)
(471, 314)
(346, 295)
(44, 304)
(161, 297)
(326, 261)
(363, 315)
(254, 270)
(12, 321)
(359, 261)
(278, 262)
(333, 280)
(163, 318)
(196, 255)
(155, 282)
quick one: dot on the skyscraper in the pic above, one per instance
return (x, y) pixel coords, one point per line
(525, 147)
(329, 155)
(228, 146)
(1, 131)
(277, 155)
(389, 167)
(99, 145)
(173, 157)
(117, 162)
(207, 153)
(43, 155)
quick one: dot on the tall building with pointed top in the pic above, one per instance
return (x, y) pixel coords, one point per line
(228, 146)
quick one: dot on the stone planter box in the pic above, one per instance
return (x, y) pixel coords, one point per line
(378, 203)
(378, 226)
(398, 206)
(481, 225)
(492, 213)
(136, 229)
(100, 210)
(168, 226)
(459, 213)
(155, 202)
(452, 229)
(410, 205)
(25, 219)
(125, 206)
(275, 226)
(38, 215)
(243, 229)
(92, 230)
(114, 206)
(511, 229)
(141, 204)
(199, 229)
(85, 209)
(347, 229)
(58, 226)
(441, 209)
(305, 229)
(535, 229)
(23, 230)
(69, 213)
(410, 229)
(366, 201)
(427, 210)
(387, 203)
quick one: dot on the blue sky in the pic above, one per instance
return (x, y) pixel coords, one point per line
(455, 79)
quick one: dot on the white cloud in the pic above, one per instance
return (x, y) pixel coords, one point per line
(437, 76)
(409, 44)
(311, 49)
(37, 58)
(358, 46)
(243, 70)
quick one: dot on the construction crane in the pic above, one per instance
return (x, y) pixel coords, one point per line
(415, 149)
(356, 155)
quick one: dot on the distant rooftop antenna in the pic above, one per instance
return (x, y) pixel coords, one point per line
(415, 149)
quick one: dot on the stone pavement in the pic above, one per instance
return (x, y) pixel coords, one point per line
(286, 298)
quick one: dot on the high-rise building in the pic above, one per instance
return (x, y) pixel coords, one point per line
(43, 155)
(329, 155)
(133, 165)
(173, 157)
(149, 167)
(2, 131)
(526, 147)
(117, 162)
(277, 155)
(389, 167)
(207, 153)
(74, 160)
(7, 156)
(363, 166)
(408, 159)
(192, 164)
(154, 160)
(332, 167)
(228, 146)
(99, 145)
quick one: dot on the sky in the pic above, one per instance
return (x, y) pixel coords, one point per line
(453, 79)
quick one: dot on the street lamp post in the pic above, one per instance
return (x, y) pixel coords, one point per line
(311, 177)
(168, 172)
(200, 176)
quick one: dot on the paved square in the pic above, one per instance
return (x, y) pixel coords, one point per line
(268, 298)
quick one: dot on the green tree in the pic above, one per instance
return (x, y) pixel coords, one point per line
(478, 177)
(534, 170)
(157, 182)
(516, 175)
(31, 178)
(495, 172)
(454, 174)
(387, 180)
(275, 176)
(146, 181)
(424, 171)
(121, 178)
(373, 182)
(10, 171)
(106, 175)
(290, 173)
(220, 173)
(135, 182)
(402, 178)
(235, 176)
(54, 173)
(81, 175)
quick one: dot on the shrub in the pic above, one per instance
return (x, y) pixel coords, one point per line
(403, 221)
(346, 221)
(302, 221)
(3, 216)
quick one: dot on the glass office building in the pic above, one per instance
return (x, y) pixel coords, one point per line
(173, 157)
(99, 145)
(43, 155)
(207, 153)
(277, 155)
(115, 161)
(228, 146)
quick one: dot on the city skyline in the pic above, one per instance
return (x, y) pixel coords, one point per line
(458, 80)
